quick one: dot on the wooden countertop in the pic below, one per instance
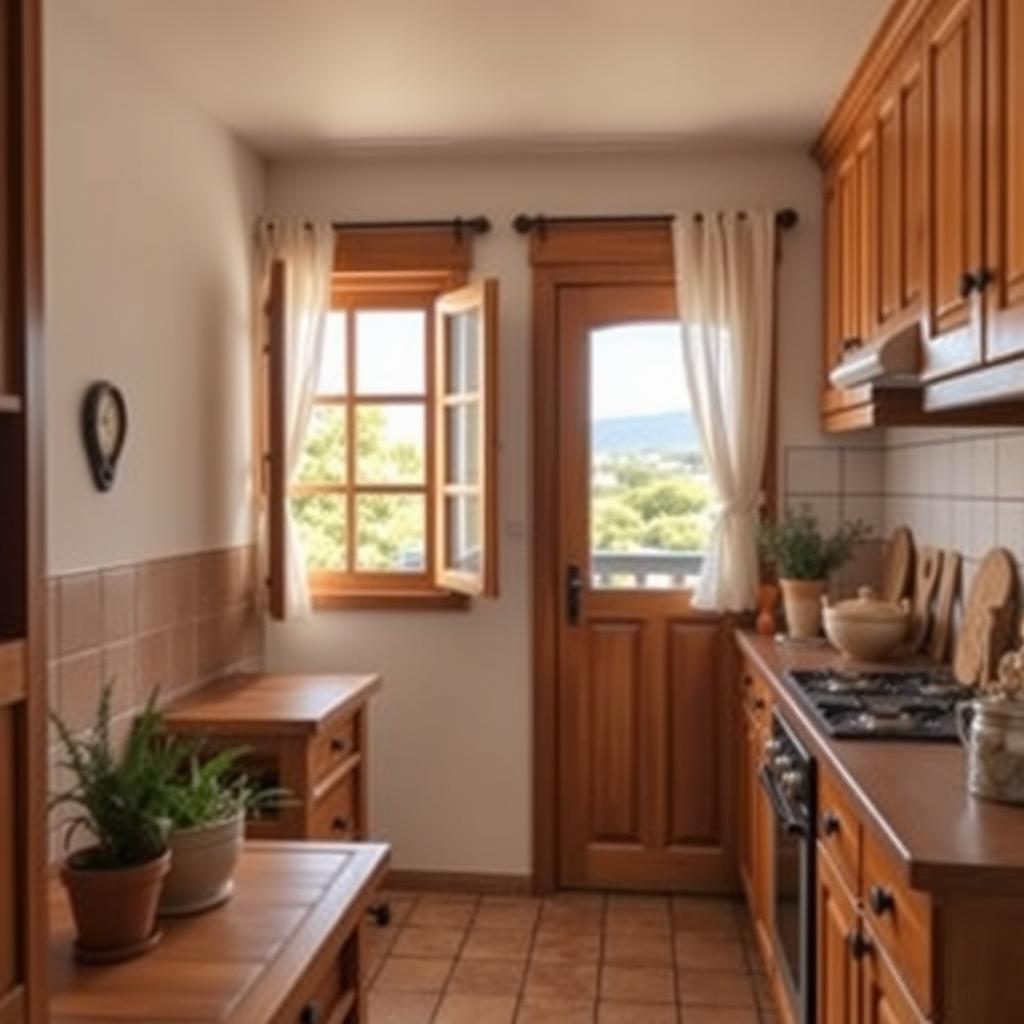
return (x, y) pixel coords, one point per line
(913, 794)
(233, 965)
(251, 704)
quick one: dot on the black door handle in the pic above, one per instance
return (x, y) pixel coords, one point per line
(573, 594)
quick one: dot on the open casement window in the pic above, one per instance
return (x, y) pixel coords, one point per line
(466, 491)
(393, 497)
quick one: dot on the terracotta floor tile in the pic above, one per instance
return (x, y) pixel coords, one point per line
(636, 1013)
(467, 1009)
(708, 916)
(487, 977)
(401, 1008)
(644, 946)
(430, 942)
(556, 1011)
(716, 988)
(637, 918)
(573, 910)
(706, 953)
(442, 914)
(510, 915)
(637, 901)
(717, 1015)
(638, 984)
(491, 944)
(413, 974)
(565, 981)
(565, 944)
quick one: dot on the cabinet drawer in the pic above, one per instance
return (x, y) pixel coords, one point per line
(329, 995)
(900, 919)
(333, 747)
(839, 830)
(334, 816)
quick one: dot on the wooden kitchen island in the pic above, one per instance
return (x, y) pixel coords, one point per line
(919, 901)
(283, 950)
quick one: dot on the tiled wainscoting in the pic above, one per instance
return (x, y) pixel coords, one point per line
(172, 623)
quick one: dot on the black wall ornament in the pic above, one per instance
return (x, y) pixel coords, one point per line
(104, 426)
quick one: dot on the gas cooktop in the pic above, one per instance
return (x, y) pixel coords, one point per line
(907, 705)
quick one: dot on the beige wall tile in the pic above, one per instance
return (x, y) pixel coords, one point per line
(78, 690)
(812, 470)
(79, 613)
(118, 595)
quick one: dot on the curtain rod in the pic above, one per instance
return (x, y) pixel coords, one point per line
(475, 225)
(524, 223)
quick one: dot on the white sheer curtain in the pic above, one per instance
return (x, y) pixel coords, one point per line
(307, 250)
(725, 270)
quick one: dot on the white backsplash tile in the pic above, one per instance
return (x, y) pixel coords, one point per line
(1010, 466)
(813, 470)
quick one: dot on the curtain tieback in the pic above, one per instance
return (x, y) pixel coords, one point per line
(738, 508)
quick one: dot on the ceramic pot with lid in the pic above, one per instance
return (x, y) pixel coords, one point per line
(992, 729)
(866, 628)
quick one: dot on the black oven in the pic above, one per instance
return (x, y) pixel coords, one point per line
(789, 778)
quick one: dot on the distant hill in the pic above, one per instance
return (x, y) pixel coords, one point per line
(657, 433)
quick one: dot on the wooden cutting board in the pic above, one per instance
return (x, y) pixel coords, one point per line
(942, 621)
(926, 582)
(987, 628)
(898, 566)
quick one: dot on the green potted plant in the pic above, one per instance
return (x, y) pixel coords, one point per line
(803, 559)
(207, 805)
(119, 799)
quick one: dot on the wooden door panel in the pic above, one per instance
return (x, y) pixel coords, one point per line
(912, 185)
(888, 262)
(1005, 100)
(883, 999)
(615, 695)
(10, 777)
(693, 738)
(956, 202)
(837, 970)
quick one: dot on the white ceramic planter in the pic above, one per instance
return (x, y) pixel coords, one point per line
(203, 861)
(801, 600)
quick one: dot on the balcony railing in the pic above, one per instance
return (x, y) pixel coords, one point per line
(646, 569)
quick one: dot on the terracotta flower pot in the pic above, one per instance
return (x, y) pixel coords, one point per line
(114, 908)
(203, 861)
(802, 602)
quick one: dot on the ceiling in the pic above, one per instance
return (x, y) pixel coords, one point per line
(301, 75)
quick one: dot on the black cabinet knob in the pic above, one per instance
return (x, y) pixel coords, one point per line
(851, 345)
(830, 823)
(338, 745)
(967, 284)
(975, 281)
(859, 946)
(881, 901)
(310, 1014)
(340, 824)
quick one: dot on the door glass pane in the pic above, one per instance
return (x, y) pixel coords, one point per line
(320, 520)
(323, 456)
(650, 494)
(462, 522)
(391, 531)
(333, 379)
(463, 356)
(391, 444)
(463, 434)
(391, 352)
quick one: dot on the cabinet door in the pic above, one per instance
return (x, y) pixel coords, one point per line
(744, 808)
(837, 976)
(897, 256)
(1005, 193)
(956, 199)
(883, 999)
(763, 854)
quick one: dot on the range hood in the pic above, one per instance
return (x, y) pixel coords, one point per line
(892, 362)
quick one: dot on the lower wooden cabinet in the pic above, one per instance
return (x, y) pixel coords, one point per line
(837, 922)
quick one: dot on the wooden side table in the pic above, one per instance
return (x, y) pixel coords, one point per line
(304, 733)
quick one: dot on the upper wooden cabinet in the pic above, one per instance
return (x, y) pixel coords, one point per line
(924, 215)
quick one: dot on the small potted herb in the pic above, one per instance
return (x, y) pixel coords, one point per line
(207, 805)
(120, 799)
(804, 558)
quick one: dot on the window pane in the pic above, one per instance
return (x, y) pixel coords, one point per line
(462, 522)
(320, 519)
(391, 352)
(463, 357)
(463, 434)
(651, 496)
(391, 443)
(323, 456)
(391, 532)
(333, 379)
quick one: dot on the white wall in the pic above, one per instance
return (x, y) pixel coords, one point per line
(149, 209)
(451, 732)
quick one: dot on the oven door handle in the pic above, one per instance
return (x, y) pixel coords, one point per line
(791, 825)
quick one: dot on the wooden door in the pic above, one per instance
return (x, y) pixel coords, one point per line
(746, 767)
(897, 262)
(1005, 193)
(954, 159)
(641, 710)
(883, 999)
(837, 971)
